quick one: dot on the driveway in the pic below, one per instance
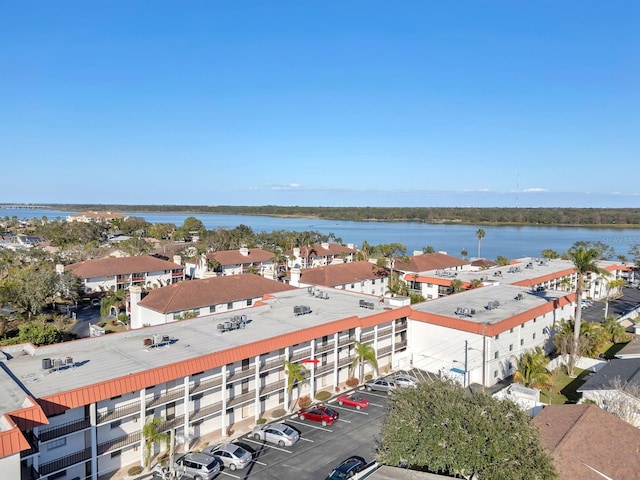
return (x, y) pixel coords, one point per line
(85, 315)
(629, 300)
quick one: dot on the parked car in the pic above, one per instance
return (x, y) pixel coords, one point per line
(95, 302)
(278, 433)
(198, 466)
(324, 415)
(380, 385)
(353, 400)
(348, 468)
(405, 381)
(232, 456)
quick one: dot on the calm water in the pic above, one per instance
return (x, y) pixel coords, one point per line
(511, 242)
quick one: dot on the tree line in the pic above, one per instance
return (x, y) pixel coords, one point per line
(612, 217)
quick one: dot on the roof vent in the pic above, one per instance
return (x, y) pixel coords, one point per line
(301, 310)
(236, 322)
(366, 304)
(465, 312)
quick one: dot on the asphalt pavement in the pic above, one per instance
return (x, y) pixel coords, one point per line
(85, 314)
(629, 300)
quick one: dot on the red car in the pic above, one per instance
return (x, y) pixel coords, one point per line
(353, 400)
(324, 415)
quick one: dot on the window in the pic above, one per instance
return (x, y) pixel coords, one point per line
(534, 335)
(497, 337)
(373, 282)
(176, 315)
(117, 453)
(511, 330)
(245, 364)
(521, 341)
(353, 285)
(495, 374)
(57, 443)
(196, 312)
(522, 326)
(116, 424)
(230, 306)
(117, 396)
(511, 347)
(535, 320)
(249, 302)
(58, 475)
(495, 355)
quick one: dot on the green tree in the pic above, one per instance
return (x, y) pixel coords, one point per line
(550, 254)
(613, 291)
(192, 224)
(428, 249)
(531, 369)
(112, 301)
(480, 234)
(296, 376)
(135, 246)
(363, 353)
(584, 262)
(502, 261)
(456, 285)
(152, 435)
(31, 288)
(464, 253)
(439, 428)
(616, 333)
(39, 334)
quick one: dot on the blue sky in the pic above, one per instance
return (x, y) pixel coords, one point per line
(333, 103)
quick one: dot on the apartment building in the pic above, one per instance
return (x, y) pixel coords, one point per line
(320, 254)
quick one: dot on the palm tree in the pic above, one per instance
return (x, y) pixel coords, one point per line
(613, 291)
(456, 285)
(584, 262)
(475, 283)
(480, 234)
(596, 336)
(295, 378)
(152, 435)
(364, 353)
(616, 332)
(464, 253)
(531, 369)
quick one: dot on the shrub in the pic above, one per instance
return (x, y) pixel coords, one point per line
(280, 412)
(323, 396)
(135, 470)
(305, 401)
(337, 389)
(352, 382)
(368, 377)
(260, 421)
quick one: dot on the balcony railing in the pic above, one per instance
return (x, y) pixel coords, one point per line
(272, 387)
(206, 411)
(382, 332)
(328, 367)
(241, 374)
(304, 353)
(173, 423)
(167, 397)
(206, 385)
(242, 398)
(401, 344)
(118, 443)
(119, 412)
(177, 274)
(272, 364)
(384, 350)
(64, 429)
(366, 337)
(401, 325)
(65, 462)
(344, 361)
(324, 347)
(345, 341)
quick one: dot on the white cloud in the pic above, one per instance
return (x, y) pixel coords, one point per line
(534, 190)
(285, 186)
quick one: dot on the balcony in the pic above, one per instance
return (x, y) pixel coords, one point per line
(240, 399)
(345, 341)
(344, 362)
(401, 345)
(65, 462)
(206, 411)
(384, 350)
(272, 387)
(328, 367)
(367, 337)
(137, 278)
(383, 332)
(206, 385)
(118, 443)
(177, 274)
(272, 364)
(64, 429)
(241, 374)
(167, 397)
(172, 423)
(324, 347)
(119, 412)
(401, 325)
(304, 353)
(122, 279)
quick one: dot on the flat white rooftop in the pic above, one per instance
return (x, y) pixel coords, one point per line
(116, 355)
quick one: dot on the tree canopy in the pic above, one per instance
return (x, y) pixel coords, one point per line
(440, 428)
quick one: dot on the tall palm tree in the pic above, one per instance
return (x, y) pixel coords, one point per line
(456, 285)
(584, 262)
(480, 234)
(152, 435)
(364, 353)
(531, 369)
(295, 378)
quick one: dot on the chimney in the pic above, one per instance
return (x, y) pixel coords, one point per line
(244, 251)
(295, 277)
(296, 252)
(325, 245)
(177, 259)
(351, 246)
(135, 295)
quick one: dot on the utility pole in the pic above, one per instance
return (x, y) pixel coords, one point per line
(484, 354)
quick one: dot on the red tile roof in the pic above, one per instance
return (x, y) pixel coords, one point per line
(107, 267)
(544, 278)
(236, 257)
(94, 393)
(585, 440)
(12, 440)
(444, 282)
(429, 261)
(319, 250)
(342, 274)
(210, 291)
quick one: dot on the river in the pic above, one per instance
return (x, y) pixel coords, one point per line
(508, 241)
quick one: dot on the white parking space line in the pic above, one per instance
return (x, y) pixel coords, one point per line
(266, 445)
(259, 463)
(345, 421)
(307, 440)
(312, 426)
(375, 405)
(224, 472)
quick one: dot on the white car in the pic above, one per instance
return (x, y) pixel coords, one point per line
(405, 381)
(278, 433)
(232, 456)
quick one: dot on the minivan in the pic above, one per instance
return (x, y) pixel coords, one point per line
(198, 466)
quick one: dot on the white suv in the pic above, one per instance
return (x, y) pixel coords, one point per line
(198, 466)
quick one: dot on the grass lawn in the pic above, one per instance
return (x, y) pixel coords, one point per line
(564, 387)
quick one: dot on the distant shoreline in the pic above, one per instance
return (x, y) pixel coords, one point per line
(596, 218)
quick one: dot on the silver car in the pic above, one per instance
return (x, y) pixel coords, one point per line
(198, 466)
(405, 381)
(278, 433)
(380, 385)
(232, 456)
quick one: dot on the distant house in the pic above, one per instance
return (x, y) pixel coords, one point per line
(430, 274)
(362, 277)
(243, 260)
(588, 443)
(320, 255)
(120, 273)
(103, 217)
(198, 298)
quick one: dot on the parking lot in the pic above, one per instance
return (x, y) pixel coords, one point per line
(319, 448)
